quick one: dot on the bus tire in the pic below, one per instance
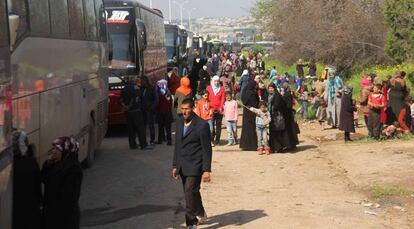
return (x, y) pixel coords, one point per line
(90, 157)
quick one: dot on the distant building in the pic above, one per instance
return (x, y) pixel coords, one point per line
(245, 34)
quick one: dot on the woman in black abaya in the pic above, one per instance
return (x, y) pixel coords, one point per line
(250, 98)
(277, 137)
(291, 140)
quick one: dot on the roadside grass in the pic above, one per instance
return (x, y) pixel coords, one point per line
(402, 137)
(378, 191)
(355, 79)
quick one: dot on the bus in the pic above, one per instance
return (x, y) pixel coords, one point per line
(55, 52)
(136, 38)
(198, 44)
(175, 47)
(6, 156)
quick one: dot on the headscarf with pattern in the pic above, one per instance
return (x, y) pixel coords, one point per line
(67, 145)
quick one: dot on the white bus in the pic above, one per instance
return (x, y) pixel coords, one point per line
(54, 55)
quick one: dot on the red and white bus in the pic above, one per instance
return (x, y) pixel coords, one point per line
(56, 54)
(136, 39)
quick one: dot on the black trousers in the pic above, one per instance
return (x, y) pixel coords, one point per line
(374, 123)
(136, 126)
(194, 205)
(164, 126)
(216, 134)
(149, 118)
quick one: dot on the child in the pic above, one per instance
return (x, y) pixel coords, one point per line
(303, 100)
(262, 127)
(376, 102)
(204, 109)
(165, 116)
(230, 117)
(356, 114)
(322, 113)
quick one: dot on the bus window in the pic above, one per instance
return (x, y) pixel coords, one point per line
(59, 18)
(122, 39)
(39, 17)
(76, 19)
(90, 20)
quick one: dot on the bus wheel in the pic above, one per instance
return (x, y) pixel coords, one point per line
(90, 158)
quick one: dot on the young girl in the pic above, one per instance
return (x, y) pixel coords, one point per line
(230, 116)
(303, 100)
(376, 102)
(204, 109)
(262, 127)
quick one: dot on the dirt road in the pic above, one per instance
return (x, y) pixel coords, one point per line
(324, 184)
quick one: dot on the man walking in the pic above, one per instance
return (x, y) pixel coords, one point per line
(192, 160)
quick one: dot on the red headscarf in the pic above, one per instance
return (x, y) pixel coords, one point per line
(184, 86)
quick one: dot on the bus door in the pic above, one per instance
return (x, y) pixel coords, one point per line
(5, 121)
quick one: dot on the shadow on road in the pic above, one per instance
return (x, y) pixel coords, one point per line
(236, 218)
(302, 148)
(118, 131)
(104, 216)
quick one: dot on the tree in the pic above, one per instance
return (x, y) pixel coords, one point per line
(345, 33)
(399, 15)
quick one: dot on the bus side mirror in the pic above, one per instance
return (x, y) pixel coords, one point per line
(141, 35)
(14, 21)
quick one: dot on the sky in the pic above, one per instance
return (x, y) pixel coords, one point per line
(204, 8)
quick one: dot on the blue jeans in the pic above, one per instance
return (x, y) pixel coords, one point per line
(262, 141)
(304, 109)
(231, 131)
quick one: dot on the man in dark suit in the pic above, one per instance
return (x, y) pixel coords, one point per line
(192, 160)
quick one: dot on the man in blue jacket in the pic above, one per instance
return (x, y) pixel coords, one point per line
(192, 160)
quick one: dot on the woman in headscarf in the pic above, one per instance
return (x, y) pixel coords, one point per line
(277, 108)
(333, 96)
(164, 109)
(245, 77)
(27, 191)
(204, 78)
(346, 122)
(250, 98)
(183, 92)
(62, 177)
(216, 98)
(396, 96)
(290, 135)
(173, 81)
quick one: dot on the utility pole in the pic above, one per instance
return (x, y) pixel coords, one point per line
(181, 5)
(169, 9)
(150, 4)
(189, 12)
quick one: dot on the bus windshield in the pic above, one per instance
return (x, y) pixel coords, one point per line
(122, 40)
(170, 38)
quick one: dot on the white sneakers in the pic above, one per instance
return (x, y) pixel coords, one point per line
(202, 219)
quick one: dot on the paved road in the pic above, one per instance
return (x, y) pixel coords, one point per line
(130, 188)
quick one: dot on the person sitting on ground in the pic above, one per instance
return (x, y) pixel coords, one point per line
(405, 116)
(262, 127)
(391, 130)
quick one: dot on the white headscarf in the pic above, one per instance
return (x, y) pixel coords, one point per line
(245, 72)
(215, 88)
